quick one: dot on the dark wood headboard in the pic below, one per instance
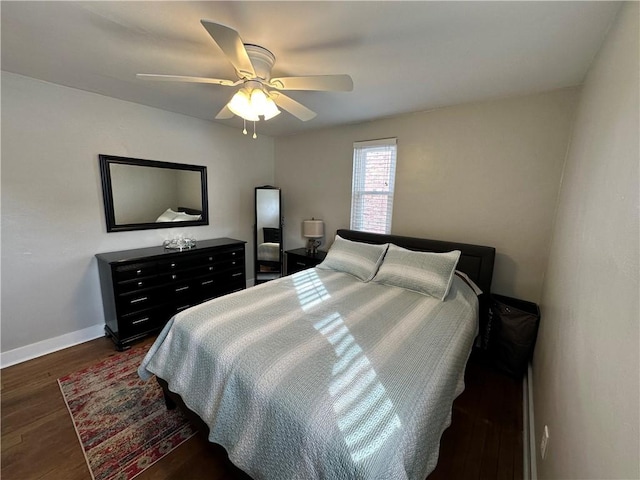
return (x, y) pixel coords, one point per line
(476, 261)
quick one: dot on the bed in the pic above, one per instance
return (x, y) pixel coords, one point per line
(345, 371)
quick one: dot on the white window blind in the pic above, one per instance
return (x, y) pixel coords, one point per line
(374, 174)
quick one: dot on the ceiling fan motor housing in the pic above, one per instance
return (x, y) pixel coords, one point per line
(261, 59)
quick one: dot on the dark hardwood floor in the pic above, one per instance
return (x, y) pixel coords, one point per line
(38, 440)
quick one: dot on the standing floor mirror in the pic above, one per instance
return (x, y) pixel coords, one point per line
(268, 234)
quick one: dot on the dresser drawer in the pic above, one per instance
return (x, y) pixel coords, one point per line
(142, 322)
(179, 264)
(234, 275)
(181, 292)
(122, 273)
(136, 284)
(136, 301)
(210, 287)
(230, 264)
(230, 254)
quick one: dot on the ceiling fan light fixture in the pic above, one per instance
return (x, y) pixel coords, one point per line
(258, 101)
(250, 104)
(271, 110)
(240, 105)
(257, 91)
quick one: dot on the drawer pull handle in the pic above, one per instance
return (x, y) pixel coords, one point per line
(138, 272)
(233, 254)
(181, 289)
(233, 263)
(302, 264)
(174, 276)
(210, 269)
(173, 265)
(207, 282)
(237, 274)
(135, 322)
(139, 284)
(211, 259)
(138, 300)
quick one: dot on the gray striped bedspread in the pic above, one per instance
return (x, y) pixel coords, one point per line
(321, 376)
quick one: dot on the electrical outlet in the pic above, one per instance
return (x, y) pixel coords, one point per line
(544, 442)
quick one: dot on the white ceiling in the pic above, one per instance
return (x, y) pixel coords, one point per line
(402, 56)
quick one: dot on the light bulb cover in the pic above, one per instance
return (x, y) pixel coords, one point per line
(271, 109)
(258, 101)
(240, 105)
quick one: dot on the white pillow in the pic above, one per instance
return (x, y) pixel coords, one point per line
(167, 216)
(184, 217)
(423, 272)
(355, 258)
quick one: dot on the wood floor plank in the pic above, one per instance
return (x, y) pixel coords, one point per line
(490, 454)
(38, 440)
(506, 454)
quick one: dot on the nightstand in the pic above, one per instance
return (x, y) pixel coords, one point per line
(298, 259)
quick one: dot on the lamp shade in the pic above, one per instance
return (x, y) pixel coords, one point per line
(313, 228)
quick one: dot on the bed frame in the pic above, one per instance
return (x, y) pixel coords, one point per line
(476, 261)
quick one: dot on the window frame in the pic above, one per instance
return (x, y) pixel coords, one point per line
(359, 192)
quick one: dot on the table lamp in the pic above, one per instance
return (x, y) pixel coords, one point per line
(313, 230)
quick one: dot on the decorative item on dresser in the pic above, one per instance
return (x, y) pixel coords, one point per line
(299, 259)
(143, 288)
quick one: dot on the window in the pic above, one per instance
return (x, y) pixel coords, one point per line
(374, 174)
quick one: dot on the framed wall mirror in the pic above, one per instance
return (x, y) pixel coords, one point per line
(143, 194)
(268, 234)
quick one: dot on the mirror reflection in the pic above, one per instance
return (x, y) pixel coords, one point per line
(268, 234)
(144, 195)
(141, 194)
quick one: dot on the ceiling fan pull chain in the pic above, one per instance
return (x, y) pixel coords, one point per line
(254, 130)
(244, 125)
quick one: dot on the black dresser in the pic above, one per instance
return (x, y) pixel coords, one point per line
(143, 288)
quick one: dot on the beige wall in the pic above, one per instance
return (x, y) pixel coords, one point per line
(586, 365)
(52, 213)
(485, 173)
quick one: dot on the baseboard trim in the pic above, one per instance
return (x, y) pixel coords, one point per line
(38, 349)
(529, 463)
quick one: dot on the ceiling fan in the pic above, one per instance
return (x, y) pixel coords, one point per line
(259, 95)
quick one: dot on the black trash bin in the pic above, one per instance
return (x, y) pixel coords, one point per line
(511, 333)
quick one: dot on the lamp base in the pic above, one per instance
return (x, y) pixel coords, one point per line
(312, 246)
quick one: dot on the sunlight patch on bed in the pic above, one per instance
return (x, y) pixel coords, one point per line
(366, 415)
(309, 288)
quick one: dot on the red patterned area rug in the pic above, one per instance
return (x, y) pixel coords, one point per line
(122, 422)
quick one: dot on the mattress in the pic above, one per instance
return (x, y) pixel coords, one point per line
(319, 375)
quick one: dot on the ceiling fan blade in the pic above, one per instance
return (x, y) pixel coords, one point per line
(224, 113)
(181, 78)
(231, 44)
(290, 105)
(329, 83)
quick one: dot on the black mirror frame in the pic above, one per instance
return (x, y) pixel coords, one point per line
(256, 264)
(107, 193)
